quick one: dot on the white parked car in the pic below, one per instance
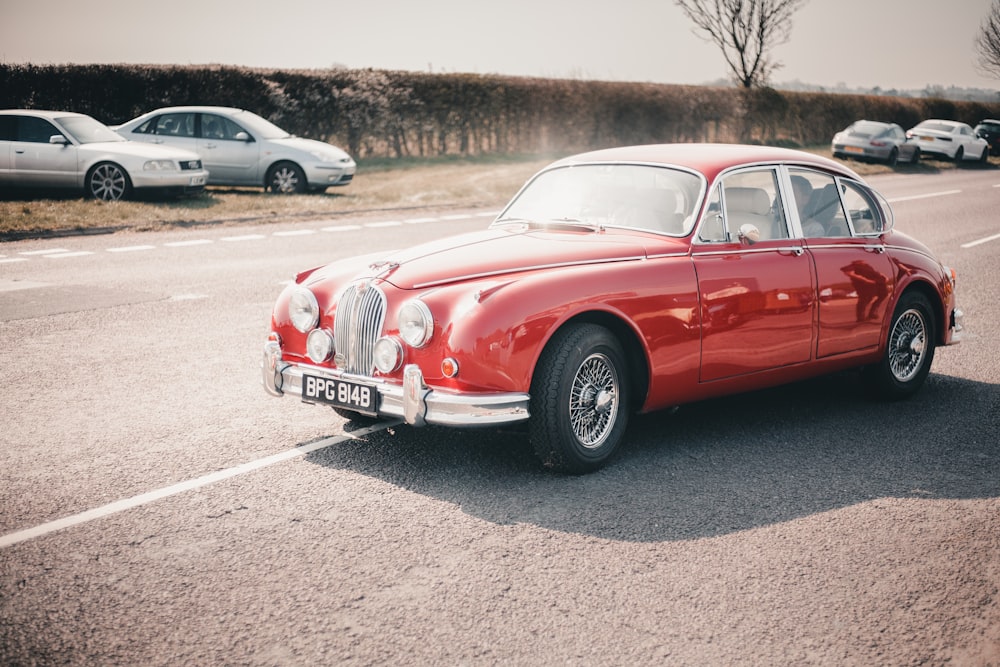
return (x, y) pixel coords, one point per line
(240, 148)
(949, 139)
(61, 149)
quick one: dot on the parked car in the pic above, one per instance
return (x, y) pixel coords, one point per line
(241, 148)
(876, 141)
(989, 130)
(61, 149)
(622, 280)
(948, 139)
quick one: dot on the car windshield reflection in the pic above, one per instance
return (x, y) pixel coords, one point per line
(655, 199)
(88, 131)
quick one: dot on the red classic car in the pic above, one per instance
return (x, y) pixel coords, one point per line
(622, 280)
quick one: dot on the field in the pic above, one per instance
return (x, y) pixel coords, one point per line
(379, 185)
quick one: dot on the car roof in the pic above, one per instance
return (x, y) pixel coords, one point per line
(708, 159)
(41, 113)
(197, 108)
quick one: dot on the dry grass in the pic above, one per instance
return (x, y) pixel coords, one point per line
(378, 186)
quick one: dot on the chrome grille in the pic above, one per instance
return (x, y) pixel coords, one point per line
(358, 324)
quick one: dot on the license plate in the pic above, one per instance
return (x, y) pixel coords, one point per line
(853, 149)
(341, 393)
(927, 138)
(197, 180)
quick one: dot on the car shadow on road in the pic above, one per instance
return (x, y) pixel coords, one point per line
(714, 467)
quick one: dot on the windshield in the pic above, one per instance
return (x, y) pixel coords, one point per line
(259, 127)
(656, 199)
(86, 130)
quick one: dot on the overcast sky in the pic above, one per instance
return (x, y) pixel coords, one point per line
(902, 44)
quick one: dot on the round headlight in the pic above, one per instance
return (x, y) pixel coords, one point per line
(415, 323)
(303, 309)
(319, 345)
(388, 354)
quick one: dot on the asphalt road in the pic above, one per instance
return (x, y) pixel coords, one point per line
(157, 507)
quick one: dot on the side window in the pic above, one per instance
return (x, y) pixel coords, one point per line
(818, 204)
(8, 128)
(175, 124)
(35, 130)
(217, 127)
(865, 215)
(751, 197)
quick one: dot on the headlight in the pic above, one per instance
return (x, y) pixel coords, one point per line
(303, 309)
(415, 323)
(159, 165)
(388, 355)
(319, 345)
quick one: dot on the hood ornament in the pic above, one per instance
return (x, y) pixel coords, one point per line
(383, 268)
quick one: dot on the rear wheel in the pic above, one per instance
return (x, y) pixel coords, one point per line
(960, 154)
(893, 157)
(579, 399)
(286, 178)
(108, 182)
(909, 349)
(984, 158)
(915, 158)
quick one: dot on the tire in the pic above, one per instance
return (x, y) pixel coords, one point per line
(985, 157)
(893, 157)
(286, 178)
(579, 400)
(960, 154)
(108, 182)
(909, 350)
(916, 156)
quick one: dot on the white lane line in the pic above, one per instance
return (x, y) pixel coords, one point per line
(925, 196)
(167, 491)
(132, 248)
(972, 244)
(245, 237)
(295, 232)
(463, 216)
(341, 228)
(11, 260)
(78, 253)
(184, 244)
(420, 221)
(29, 253)
(385, 223)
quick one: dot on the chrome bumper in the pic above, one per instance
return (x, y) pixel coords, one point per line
(413, 401)
(955, 327)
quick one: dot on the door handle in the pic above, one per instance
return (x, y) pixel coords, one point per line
(793, 250)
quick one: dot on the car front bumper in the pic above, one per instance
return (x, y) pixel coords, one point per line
(188, 181)
(413, 401)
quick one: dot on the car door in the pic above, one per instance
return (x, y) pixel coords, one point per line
(228, 151)
(8, 126)
(842, 223)
(35, 161)
(757, 297)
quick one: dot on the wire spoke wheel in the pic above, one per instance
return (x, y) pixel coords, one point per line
(907, 345)
(593, 403)
(909, 350)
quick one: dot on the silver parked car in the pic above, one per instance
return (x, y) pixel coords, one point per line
(61, 149)
(875, 140)
(949, 139)
(241, 148)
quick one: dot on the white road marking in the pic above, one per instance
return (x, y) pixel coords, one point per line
(61, 255)
(419, 221)
(11, 260)
(972, 244)
(341, 228)
(143, 499)
(132, 248)
(245, 237)
(295, 232)
(185, 244)
(925, 196)
(387, 223)
(29, 253)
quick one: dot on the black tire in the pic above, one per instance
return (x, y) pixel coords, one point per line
(916, 156)
(108, 182)
(909, 350)
(286, 178)
(960, 154)
(579, 399)
(985, 157)
(893, 157)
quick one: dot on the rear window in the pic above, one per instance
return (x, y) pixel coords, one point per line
(935, 126)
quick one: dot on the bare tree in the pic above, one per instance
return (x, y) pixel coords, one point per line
(746, 31)
(988, 42)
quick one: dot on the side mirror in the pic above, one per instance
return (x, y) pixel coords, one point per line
(58, 139)
(242, 136)
(749, 234)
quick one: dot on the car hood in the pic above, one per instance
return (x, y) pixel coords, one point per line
(139, 150)
(495, 252)
(310, 146)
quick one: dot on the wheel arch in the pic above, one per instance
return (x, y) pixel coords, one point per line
(937, 305)
(129, 185)
(266, 175)
(635, 349)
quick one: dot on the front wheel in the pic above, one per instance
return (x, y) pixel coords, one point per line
(579, 399)
(108, 182)
(286, 178)
(960, 154)
(893, 157)
(909, 350)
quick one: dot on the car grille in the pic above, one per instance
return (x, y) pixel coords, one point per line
(188, 165)
(358, 324)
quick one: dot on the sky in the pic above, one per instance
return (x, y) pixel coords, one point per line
(891, 44)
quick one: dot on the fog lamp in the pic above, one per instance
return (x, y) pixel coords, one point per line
(388, 355)
(319, 345)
